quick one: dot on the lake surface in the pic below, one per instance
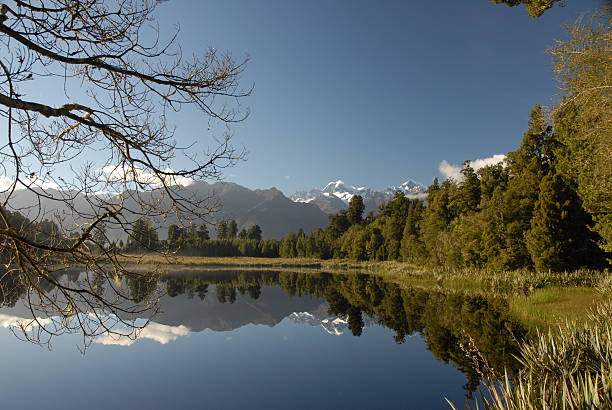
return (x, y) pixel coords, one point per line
(266, 340)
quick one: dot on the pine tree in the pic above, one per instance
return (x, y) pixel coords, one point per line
(412, 248)
(254, 232)
(174, 234)
(466, 197)
(203, 234)
(508, 214)
(232, 229)
(222, 232)
(355, 210)
(560, 238)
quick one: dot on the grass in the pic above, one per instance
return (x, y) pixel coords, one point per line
(551, 305)
(212, 262)
(566, 368)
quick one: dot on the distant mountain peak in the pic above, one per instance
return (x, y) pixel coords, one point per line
(336, 195)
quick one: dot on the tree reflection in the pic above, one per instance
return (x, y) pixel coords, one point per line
(444, 320)
(89, 304)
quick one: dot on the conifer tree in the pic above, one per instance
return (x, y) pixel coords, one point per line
(174, 234)
(412, 248)
(509, 212)
(583, 68)
(466, 197)
(222, 232)
(232, 229)
(355, 210)
(560, 238)
(203, 234)
(243, 234)
(254, 232)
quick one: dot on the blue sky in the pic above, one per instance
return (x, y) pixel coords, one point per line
(373, 93)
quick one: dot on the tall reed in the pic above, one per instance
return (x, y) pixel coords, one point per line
(565, 368)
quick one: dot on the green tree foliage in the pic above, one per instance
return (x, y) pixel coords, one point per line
(354, 243)
(174, 235)
(535, 8)
(436, 219)
(412, 247)
(203, 234)
(338, 224)
(143, 236)
(232, 229)
(466, 197)
(227, 229)
(583, 119)
(560, 238)
(355, 210)
(509, 211)
(254, 232)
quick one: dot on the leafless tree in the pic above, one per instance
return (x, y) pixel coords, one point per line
(99, 152)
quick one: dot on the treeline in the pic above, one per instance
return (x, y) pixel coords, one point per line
(42, 233)
(521, 213)
(196, 241)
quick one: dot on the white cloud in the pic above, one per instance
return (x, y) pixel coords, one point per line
(31, 182)
(450, 171)
(27, 324)
(154, 331)
(117, 174)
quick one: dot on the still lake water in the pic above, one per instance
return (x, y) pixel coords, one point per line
(267, 340)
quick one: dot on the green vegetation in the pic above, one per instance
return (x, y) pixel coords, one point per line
(565, 368)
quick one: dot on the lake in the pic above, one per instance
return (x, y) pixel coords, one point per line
(264, 340)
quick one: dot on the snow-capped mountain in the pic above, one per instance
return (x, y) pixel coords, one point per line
(336, 195)
(334, 325)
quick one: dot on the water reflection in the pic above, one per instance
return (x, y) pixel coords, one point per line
(223, 301)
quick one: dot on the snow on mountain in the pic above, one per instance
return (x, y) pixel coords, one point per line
(334, 325)
(340, 190)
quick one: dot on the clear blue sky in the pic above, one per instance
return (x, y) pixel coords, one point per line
(375, 93)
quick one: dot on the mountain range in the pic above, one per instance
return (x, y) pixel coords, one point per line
(336, 195)
(269, 208)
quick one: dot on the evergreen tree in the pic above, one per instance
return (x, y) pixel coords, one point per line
(355, 210)
(466, 197)
(203, 234)
(232, 229)
(174, 234)
(560, 238)
(338, 224)
(374, 245)
(243, 234)
(222, 232)
(412, 247)
(583, 68)
(254, 232)
(508, 214)
(143, 235)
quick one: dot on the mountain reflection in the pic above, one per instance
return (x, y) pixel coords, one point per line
(194, 301)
